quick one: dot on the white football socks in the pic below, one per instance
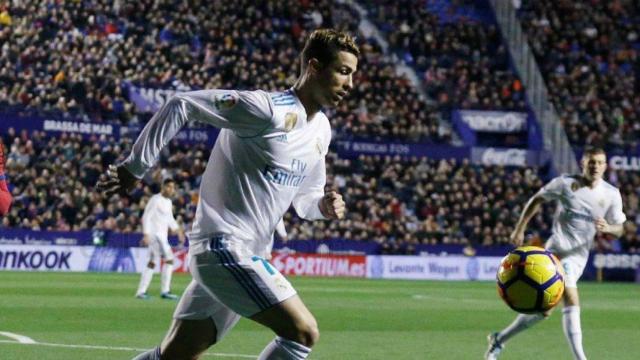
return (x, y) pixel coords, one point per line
(153, 354)
(283, 349)
(573, 330)
(521, 322)
(145, 280)
(165, 278)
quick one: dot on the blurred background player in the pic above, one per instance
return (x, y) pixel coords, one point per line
(5, 195)
(157, 220)
(269, 155)
(586, 205)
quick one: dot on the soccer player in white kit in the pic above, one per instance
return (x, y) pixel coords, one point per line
(586, 205)
(269, 155)
(157, 220)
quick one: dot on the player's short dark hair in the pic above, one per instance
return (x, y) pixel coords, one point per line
(325, 44)
(168, 181)
(593, 150)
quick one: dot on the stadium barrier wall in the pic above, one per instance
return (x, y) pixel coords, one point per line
(26, 250)
(54, 127)
(81, 258)
(433, 267)
(320, 264)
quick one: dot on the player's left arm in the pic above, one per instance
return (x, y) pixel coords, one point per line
(332, 205)
(613, 222)
(614, 229)
(312, 203)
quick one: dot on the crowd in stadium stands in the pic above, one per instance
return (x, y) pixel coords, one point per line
(76, 59)
(464, 64)
(408, 201)
(52, 181)
(588, 53)
(397, 202)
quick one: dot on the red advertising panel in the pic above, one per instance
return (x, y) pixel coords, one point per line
(320, 265)
(180, 260)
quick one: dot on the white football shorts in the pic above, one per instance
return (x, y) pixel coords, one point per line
(159, 248)
(573, 266)
(227, 286)
(197, 304)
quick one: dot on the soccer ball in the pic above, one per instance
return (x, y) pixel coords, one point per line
(530, 280)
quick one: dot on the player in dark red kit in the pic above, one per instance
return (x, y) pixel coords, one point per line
(5, 195)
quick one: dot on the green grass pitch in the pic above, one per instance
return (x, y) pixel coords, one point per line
(95, 316)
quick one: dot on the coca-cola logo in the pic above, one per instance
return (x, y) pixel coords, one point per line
(511, 157)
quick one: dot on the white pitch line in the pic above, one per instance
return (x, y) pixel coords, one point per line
(444, 298)
(119, 348)
(19, 338)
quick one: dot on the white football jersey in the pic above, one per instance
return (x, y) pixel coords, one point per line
(268, 156)
(578, 207)
(158, 218)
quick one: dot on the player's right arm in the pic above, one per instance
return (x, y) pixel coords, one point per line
(530, 209)
(549, 192)
(247, 113)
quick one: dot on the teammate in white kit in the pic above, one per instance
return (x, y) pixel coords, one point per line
(269, 155)
(586, 205)
(157, 220)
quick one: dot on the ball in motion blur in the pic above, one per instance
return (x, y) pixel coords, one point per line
(530, 280)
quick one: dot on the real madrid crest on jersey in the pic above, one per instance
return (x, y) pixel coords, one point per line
(575, 186)
(601, 203)
(290, 121)
(224, 101)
